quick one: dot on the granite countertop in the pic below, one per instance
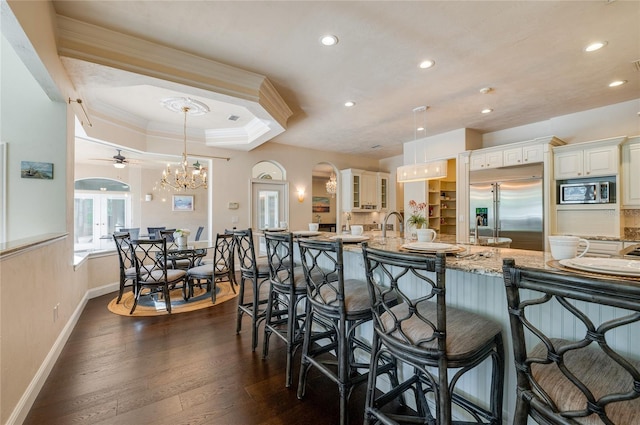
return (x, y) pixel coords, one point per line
(471, 258)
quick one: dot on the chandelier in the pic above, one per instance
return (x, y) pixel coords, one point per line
(185, 177)
(332, 185)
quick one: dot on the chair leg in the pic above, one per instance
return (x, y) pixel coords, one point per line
(135, 300)
(305, 364)
(267, 322)
(121, 291)
(212, 284)
(497, 380)
(167, 299)
(254, 316)
(240, 302)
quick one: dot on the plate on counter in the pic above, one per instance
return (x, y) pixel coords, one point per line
(432, 247)
(351, 238)
(306, 233)
(613, 266)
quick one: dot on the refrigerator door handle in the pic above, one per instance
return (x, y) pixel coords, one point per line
(496, 209)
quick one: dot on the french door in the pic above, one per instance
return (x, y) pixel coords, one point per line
(269, 207)
(97, 216)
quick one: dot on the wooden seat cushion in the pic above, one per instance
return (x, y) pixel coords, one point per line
(466, 332)
(601, 374)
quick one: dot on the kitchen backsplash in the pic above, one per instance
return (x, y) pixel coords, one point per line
(631, 224)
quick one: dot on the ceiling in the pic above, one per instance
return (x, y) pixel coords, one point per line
(530, 53)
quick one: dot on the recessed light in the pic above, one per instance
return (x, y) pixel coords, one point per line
(486, 111)
(329, 40)
(595, 46)
(427, 64)
(349, 103)
(617, 83)
(420, 129)
(485, 90)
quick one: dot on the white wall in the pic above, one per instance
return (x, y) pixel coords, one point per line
(34, 129)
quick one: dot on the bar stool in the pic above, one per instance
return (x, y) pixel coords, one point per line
(256, 273)
(585, 379)
(429, 339)
(335, 310)
(284, 315)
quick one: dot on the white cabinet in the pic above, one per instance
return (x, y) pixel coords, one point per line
(631, 173)
(360, 190)
(369, 191)
(484, 159)
(520, 153)
(586, 160)
(383, 191)
(598, 248)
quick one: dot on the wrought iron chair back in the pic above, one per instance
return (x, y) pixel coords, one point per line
(152, 271)
(584, 380)
(199, 233)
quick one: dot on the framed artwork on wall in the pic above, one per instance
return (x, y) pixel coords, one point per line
(36, 170)
(182, 203)
(320, 204)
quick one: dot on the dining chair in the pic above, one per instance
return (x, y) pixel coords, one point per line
(134, 232)
(199, 233)
(127, 266)
(586, 379)
(257, 273)
(434, 345)
(335, 308)
(285, 312)
(183, 260)
(152, 273)
(222, 268)
(154, 232)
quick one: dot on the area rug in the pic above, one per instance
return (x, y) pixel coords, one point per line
(153, 305)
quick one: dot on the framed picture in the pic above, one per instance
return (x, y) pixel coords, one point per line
(182, 203)
(36, 170)
(320, 204)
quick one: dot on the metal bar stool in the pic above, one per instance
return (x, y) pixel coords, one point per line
(435, 344)
(285, 313)
(586, 379)
(335, 310)
(258, 275)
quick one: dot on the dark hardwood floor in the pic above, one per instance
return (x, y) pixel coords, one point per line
(188, 368)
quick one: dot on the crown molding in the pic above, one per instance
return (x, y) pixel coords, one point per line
(90, 43)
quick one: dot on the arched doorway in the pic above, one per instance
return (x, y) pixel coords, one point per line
(325, 200)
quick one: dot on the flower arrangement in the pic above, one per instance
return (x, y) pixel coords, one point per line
(417, 217)
(181, 232)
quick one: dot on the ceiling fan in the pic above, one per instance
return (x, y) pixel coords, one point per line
(119, 160)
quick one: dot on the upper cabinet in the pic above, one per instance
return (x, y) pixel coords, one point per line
(364, 190)
(520, 153)
(383, 191)
(631, 172)
(590, 159)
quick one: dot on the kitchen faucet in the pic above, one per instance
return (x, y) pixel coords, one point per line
(479, 222)
(400, 225)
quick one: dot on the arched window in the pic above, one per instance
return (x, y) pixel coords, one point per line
(268, 170)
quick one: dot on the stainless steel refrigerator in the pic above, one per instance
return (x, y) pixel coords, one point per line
(508, 203)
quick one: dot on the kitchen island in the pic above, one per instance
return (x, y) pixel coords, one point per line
(474, 282)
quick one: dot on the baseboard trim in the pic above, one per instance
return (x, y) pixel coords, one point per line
(25, 403)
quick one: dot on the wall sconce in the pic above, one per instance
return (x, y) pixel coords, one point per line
(148, 197)
(300, 195)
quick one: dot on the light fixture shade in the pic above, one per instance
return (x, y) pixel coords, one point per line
(119, 164)
(422, 171)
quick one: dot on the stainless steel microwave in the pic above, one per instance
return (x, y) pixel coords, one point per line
(584, 193)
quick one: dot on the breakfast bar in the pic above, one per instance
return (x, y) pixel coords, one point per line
(474, 282)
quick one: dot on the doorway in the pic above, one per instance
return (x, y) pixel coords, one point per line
(96, 217)
(325, 192)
